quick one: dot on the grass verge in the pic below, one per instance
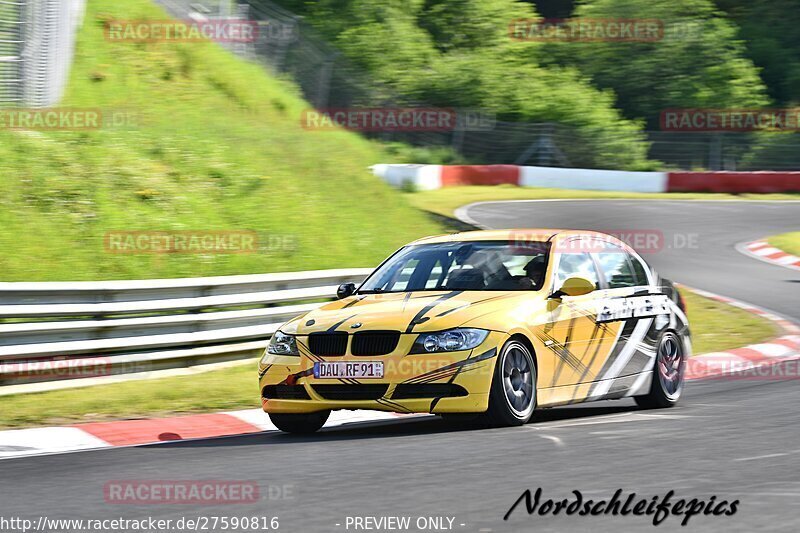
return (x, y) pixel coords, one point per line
(446, 201)
(716, 326)
(215, 144)
(788, 242)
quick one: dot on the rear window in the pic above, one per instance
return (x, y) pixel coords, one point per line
(616, 267)
(639, 271)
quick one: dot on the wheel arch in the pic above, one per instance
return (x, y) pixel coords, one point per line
(521, 337)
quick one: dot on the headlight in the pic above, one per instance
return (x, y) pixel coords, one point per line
(282, 344)
(452, 340)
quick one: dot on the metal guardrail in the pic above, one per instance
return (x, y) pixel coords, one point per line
(55, 330)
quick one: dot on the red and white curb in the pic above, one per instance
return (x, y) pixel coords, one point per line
(749, 359)
(764, 251)
(98, 435)
(430, 177)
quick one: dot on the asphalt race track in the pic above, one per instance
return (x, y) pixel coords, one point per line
(698, 244)
(730, 439)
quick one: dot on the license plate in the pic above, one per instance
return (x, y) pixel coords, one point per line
(348, 370)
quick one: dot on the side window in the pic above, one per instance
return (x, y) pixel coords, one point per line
(575, 264)
(639, 271)
(616, 267)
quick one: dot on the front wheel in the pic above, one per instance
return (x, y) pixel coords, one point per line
(302, 424)
(668, 374)
(512, 397)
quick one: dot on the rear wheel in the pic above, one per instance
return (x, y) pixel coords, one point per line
(303, 424)
(512, 398)
(668, 374)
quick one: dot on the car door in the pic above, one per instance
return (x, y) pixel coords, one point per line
(633, 349)
(571, 333)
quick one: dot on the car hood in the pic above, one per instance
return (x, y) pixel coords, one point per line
(408, 312)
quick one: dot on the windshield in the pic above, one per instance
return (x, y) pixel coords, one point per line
(463, 266)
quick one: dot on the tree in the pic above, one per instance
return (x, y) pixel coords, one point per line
(458, 53)
(699, 63)
(771, 30)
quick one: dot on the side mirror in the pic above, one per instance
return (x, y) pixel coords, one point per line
(345, 290)
(574, 286)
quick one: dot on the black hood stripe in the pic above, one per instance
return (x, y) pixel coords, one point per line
(418, 318)
(334, 327)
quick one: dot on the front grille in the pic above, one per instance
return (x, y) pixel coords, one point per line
(371, 391)
(327, 344)
(366, 343)
(285, 392)
(407, 391)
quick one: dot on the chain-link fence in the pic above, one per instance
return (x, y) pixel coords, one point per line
(48, 50)
(12, 32)
(37, 40)
(288, 45)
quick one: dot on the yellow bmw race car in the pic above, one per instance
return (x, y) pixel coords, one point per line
(489, 323)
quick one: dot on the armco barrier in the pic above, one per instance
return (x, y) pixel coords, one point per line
(102, 328)
(428, 177)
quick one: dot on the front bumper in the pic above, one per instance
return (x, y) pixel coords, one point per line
(447, 382)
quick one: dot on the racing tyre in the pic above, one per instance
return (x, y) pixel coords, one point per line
(302, 424)
(668, 374)
(512, 397)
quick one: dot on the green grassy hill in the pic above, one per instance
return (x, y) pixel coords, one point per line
(218, 146)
